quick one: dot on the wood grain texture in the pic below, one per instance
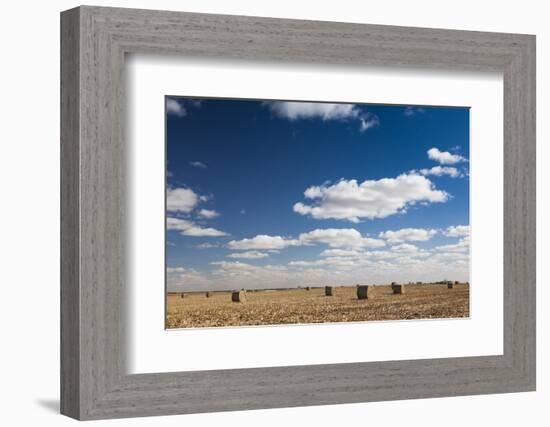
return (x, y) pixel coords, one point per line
(94, 381)
(70, 220)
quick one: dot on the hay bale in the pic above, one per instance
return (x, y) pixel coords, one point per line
(362, 292)
(182, 295)
(328, 291)
(208, 294)
(450, 285)
(397, 289)
(308, 288)
(238, 296)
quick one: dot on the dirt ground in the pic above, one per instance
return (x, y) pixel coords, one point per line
(291, 306)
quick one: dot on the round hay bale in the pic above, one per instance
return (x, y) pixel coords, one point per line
(182, 295)
(450, 285)
(208, 294)
(308, 288)
(397, 289)
(362, 292)
(329, 291)
(238, 296)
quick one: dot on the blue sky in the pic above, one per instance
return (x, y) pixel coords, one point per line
(265, 194)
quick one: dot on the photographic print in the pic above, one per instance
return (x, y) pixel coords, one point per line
(290, 212)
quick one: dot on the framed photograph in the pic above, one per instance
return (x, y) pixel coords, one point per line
(262, 213)
(283, 207)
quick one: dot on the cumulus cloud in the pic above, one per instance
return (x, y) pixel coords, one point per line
(412, 111)
(248, 255)
(408, 234)
(405, 248)
(340, 238)
(181, 200)
(178, 224)
(198, 164)
(173, 270)
(189, 228)
(197, 231)
(339, 262)
(311, 110)
(346, 268)
(444, 157)
(175, 108)
(368, 121)
(262, 242)
(332, 237)
(207, 245)
(442, 170)
(457, 231)
(340, 253)
(352, 201)
(244, 271)
(463, 245)
(325, 111)
(180, 278)
(208, 214)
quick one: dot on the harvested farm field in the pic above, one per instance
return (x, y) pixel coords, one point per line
(299, 306)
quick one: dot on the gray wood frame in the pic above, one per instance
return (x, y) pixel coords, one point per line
(94, 382)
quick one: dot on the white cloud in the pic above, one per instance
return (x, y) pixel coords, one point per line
(340, 253)
(325, 111)
(405, 248)
(408, 234)
(197, 231)
(340, 238)
(198, 164)
(444, 157)
(233, 265)
(412, 111)
(376, 267)
(451, 256)
(247, 273)
(340, 262)
(349, 200)
(457, 231)
(463, 245)
(175, 108)
(442, 170)
(378, 254)
(189, 228)
(262, 242)
(310, 110)
(208, 214)
(182, 279)
(333, 237)
(368, 121)
(248, 255)
(181, 200)
(172, 270)
(207, 245)
(178, 224)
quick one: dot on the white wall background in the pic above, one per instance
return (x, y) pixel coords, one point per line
(29, 214)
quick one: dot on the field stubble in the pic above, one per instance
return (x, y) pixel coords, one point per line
(295, 306)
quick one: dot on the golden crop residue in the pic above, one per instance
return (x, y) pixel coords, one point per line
(294, 306)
